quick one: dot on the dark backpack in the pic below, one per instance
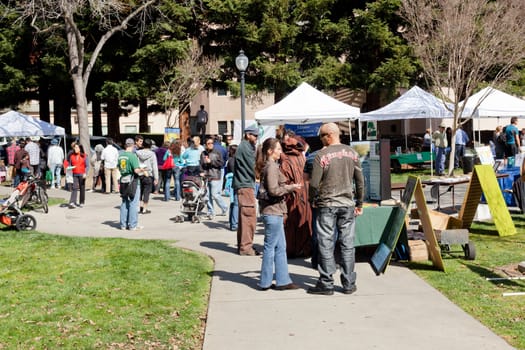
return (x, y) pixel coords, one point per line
(502, 137)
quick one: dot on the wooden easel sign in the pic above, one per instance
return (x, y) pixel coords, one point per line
(424, 216)
(484, 181)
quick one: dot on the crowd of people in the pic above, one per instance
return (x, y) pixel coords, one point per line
(507, 141)
(302, 216)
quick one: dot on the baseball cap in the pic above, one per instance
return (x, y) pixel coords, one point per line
(130, 142)
(442, 125)
(251, 130)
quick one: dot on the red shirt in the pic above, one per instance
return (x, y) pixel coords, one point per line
(11, 150)
(78, 160)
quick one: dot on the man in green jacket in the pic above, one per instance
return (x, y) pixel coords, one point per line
(244, 187)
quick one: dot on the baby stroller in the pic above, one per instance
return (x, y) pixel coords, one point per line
(194, 198)
(11, 208)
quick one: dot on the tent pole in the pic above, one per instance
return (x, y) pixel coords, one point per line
(431, 150)
(479, 131)
(359, 130)
(406, 137)
(350, 128)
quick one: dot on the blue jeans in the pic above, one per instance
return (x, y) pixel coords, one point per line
(234, 212)
(327, 219)
(440, 159)
(460, 152)
(167, 184)
(129, 211)
(214, 193)
(274, 254)
(56, 170)
(176, 186)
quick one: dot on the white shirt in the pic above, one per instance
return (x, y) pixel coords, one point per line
(55, 155)
(110, 157)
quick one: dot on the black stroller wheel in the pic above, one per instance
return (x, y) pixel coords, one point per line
(25, 222)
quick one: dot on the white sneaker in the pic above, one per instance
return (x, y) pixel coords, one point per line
(136, 228)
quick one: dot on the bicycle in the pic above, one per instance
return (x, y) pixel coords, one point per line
(35, 195)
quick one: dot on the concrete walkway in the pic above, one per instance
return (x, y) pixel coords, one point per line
(396, 310)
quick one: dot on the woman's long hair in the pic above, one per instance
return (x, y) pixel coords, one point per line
(262, 154)
(175, 147)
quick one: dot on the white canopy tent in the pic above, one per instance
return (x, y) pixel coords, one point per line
(16, 124)
(416, 103)
(413, 104)
(306, 105)
(492, 103)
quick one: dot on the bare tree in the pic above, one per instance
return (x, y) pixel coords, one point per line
(464, 43)
(181, 80)
(112, 16)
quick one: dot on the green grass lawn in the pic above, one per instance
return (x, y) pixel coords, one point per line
(465, 284)
(87, 293)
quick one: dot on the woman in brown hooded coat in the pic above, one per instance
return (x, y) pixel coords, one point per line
(298, 225)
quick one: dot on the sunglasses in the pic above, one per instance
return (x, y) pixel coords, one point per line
(324, 134)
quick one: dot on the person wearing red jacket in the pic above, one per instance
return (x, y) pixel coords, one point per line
(79, 161)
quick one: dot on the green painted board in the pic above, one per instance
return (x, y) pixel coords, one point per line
(389, 238)
(371, 225)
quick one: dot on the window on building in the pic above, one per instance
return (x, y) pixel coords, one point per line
(222, 92)
(130, 129)
(222, 127)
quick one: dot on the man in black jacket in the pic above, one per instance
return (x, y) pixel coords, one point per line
(212, 163)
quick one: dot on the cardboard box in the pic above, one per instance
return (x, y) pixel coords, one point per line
(418, 250)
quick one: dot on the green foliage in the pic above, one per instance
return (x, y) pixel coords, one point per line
(380, 58)
(82, 293)
(465, 282)
(123, 90)
(13, 64)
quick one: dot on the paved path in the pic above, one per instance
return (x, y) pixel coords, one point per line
(396, 310)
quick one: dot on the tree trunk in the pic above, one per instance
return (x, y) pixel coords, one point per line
(43, 101)
(62, 109)
(373, 101)
(184, 125)
(82, 111)
(452, 153)
(113, 115)
(96, 116)
(143, 115)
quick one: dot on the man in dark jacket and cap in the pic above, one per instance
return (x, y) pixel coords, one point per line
(244, 187)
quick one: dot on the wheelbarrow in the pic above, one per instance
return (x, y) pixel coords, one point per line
(449, 237)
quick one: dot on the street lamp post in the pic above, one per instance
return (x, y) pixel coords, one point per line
(241, 62)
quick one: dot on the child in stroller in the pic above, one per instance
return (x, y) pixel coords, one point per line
(194, 196)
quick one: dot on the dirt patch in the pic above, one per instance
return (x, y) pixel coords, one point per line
(510, 270)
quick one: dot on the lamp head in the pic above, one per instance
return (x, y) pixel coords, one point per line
(241, 61)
